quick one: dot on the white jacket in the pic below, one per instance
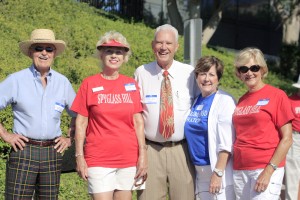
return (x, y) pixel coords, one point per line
(221, 134)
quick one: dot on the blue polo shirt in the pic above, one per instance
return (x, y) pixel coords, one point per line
(37, 110)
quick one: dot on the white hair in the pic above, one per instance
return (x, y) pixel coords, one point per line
(167, 27)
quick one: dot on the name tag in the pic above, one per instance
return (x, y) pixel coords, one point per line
(151, 99)
(262, 102)
(130, 87)
(199, 107)
(97, 89)
(59, 107)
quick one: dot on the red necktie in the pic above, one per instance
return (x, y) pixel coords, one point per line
(166, 118)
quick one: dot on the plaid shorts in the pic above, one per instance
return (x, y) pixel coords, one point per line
(33, 169)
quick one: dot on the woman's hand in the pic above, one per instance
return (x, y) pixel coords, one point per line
(81, 167)
(285, 143)
(263, 180)
(215, 184)
(142, 167)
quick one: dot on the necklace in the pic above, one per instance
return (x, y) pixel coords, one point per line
(113, 77)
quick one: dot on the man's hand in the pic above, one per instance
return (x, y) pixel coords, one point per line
(62, 143)
(15, 140)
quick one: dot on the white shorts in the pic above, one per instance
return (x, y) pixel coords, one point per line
(245, 180)
(101, 179)
(203, 177)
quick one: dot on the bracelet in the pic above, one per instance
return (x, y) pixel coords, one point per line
(78, 154)
(273, 165)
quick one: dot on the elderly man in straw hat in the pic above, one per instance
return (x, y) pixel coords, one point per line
(38, 95)
(292, 167)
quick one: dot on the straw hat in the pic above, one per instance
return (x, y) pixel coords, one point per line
(42, 36)
(297, 85)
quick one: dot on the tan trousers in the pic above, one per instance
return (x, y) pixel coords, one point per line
(169, 170)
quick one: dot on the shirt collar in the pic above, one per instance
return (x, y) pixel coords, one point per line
(160, 71)
(37, 73)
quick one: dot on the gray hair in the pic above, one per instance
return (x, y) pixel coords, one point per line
(167, 27)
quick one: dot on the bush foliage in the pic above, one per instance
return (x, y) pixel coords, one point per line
(80, 26)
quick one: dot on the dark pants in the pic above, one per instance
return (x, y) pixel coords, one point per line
(33, 169)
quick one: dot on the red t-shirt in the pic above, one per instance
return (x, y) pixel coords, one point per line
(257, 119)
(295, 101)
(109, 105)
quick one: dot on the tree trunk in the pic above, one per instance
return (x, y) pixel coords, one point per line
(213, 23)
(289, 12)
(194, 9)
(291, 27)
(174, 15)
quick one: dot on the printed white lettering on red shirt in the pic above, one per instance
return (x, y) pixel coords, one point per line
(245, 110)
(114, 98)
(297, 110)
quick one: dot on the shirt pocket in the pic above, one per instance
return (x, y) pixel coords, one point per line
(57, 109)
(275, 188)
(183, 101)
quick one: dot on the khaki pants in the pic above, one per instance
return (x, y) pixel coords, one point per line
(169, 170)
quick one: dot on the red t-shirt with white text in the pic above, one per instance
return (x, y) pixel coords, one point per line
(257, 119)
(109, 105)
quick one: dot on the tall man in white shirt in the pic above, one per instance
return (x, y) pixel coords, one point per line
(170, 169)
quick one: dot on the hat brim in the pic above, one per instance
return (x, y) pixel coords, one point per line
(124, 47)
(59, 45)
(112, 43)
(297, 85)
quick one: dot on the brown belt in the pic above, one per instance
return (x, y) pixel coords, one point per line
(41, 143)
(167, 143)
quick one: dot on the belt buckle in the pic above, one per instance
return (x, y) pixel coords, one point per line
(170, 144)
(42, 143)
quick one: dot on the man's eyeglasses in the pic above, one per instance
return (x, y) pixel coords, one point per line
(245, 69)
(40, 49)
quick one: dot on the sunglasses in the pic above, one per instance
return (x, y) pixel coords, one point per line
(40, 49)
(245, 69)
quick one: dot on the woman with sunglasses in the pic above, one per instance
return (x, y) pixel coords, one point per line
(110, 142)
(262, 121)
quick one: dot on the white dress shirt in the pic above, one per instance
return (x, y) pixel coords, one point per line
(184, 89)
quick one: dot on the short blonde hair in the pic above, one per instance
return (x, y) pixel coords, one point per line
(245, 55)
(113, 35)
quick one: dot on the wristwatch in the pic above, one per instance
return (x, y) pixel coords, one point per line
(218, 172)
(273, 165)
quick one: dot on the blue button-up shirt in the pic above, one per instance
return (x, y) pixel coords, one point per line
(36, 109)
